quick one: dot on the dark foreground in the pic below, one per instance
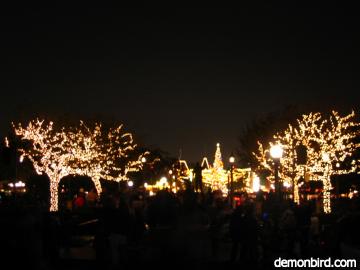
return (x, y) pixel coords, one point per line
(168, 231)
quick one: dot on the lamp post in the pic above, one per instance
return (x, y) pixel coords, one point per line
(231, 161)
(276, 152)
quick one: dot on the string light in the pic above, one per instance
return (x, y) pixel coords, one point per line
(216, 177)
(93, 152)
(329, 142)
(205, 163)
(48, 153)
(7, 144)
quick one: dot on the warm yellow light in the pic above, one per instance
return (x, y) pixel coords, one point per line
(163, 181)
(325, 157)
(81, 150)
(217, 177)
(328, 139)
(231, 159)
(286, 184)
(276, 151)
(256, 184)
(7, 144)
(18, 184)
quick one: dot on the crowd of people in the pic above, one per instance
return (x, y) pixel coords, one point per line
(187, 227)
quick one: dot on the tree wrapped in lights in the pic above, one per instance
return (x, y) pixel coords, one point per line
(336, 145)
(49, 153)
(108, 154)
(216, 176)
(329, 143)
(79, 151)
(218, 163)
(87, 157)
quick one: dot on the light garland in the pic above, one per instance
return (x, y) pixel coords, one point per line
(80, 151)
(217, 178)
(49, 154)
(329, 142)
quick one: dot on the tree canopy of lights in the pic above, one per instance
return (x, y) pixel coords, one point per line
(79, 151)
(109, 154)
(330, 144)
(49, 153)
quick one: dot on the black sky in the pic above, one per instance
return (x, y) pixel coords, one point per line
(184, 78)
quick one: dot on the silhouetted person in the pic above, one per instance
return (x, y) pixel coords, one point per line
(198, 177)
(288, 226)
(137, 219)
(251, 234)
(192, 229)
(314, 230)
(303, 218)
(217, 220)
(236, 231)
(162, 210)
(115, 231)
(161, 218)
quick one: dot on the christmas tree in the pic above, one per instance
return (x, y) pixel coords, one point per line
(218, 164)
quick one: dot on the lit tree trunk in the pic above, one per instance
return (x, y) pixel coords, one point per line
(327, 193)
(54, 194)
(96, 180)
(296, 191)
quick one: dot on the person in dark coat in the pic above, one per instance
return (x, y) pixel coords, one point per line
(236, 231)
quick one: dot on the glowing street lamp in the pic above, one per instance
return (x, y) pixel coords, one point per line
(130, 183)
(231, 161)
(276, 152)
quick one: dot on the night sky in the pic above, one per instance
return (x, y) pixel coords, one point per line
(179, 79)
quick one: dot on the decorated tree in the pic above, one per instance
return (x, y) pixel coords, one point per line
(87, 157)
(335, 146)
(109, 155)
(216, 176)
(49, 152)
(263, 129)
(329, 145)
